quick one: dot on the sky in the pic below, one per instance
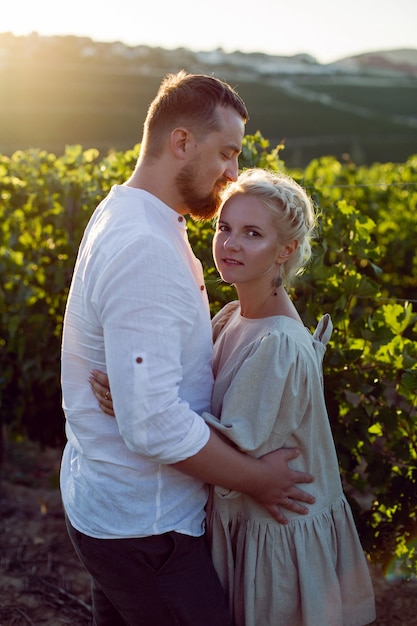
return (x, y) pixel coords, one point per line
(326, 29)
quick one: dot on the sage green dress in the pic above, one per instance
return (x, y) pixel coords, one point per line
(268, 394)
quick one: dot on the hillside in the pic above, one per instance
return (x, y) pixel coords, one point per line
(387, 62)
(66, 90)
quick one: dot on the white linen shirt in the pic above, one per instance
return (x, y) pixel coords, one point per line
(138, 310)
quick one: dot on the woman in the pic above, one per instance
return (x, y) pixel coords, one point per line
(268, 394)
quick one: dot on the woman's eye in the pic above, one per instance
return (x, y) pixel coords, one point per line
(253, 233)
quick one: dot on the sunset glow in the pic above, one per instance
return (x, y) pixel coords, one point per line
(322, 29)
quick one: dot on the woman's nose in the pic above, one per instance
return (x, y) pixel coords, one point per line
(231, 242)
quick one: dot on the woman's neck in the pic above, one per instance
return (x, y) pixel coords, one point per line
(259, 305)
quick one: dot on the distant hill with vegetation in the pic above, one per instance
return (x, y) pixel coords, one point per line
(57, 91)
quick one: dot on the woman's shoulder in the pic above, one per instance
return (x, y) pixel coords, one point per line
(220, 320)
(290, 341)
(291, 330)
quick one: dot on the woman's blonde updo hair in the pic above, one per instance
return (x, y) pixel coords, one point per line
(291, 209)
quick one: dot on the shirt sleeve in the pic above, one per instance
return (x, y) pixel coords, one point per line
(147, 307)
(267, 398)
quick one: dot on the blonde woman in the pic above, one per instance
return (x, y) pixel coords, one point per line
(268, 394)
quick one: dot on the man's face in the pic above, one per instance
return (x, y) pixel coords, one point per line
(214, 164)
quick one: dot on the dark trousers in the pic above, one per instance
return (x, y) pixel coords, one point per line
(162, 580)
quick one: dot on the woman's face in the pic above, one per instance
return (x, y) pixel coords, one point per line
(245, 246)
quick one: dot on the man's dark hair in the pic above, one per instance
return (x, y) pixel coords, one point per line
(188, 100)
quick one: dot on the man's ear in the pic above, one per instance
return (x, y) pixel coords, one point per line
(180, 138)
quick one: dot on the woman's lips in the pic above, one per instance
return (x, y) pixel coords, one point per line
(230, 261)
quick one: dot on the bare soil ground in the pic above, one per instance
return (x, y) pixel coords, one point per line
(41, 580)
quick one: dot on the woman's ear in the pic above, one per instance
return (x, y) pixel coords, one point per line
(287, 251)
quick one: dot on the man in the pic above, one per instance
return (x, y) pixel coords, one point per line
(134, 488)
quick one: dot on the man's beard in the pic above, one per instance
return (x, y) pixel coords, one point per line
(198, 206)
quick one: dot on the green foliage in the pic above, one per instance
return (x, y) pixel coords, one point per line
(45, 204)
(363, 272)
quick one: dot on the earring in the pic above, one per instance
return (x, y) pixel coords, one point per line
(278, 280)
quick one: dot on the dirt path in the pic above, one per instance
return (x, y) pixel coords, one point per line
(41, 580)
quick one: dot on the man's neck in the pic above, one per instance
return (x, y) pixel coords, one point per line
(154, 180)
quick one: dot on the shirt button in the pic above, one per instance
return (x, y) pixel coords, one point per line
(180, 218)
(139, 359)
(201, 287)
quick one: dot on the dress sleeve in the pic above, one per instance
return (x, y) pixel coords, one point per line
(267, 398)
